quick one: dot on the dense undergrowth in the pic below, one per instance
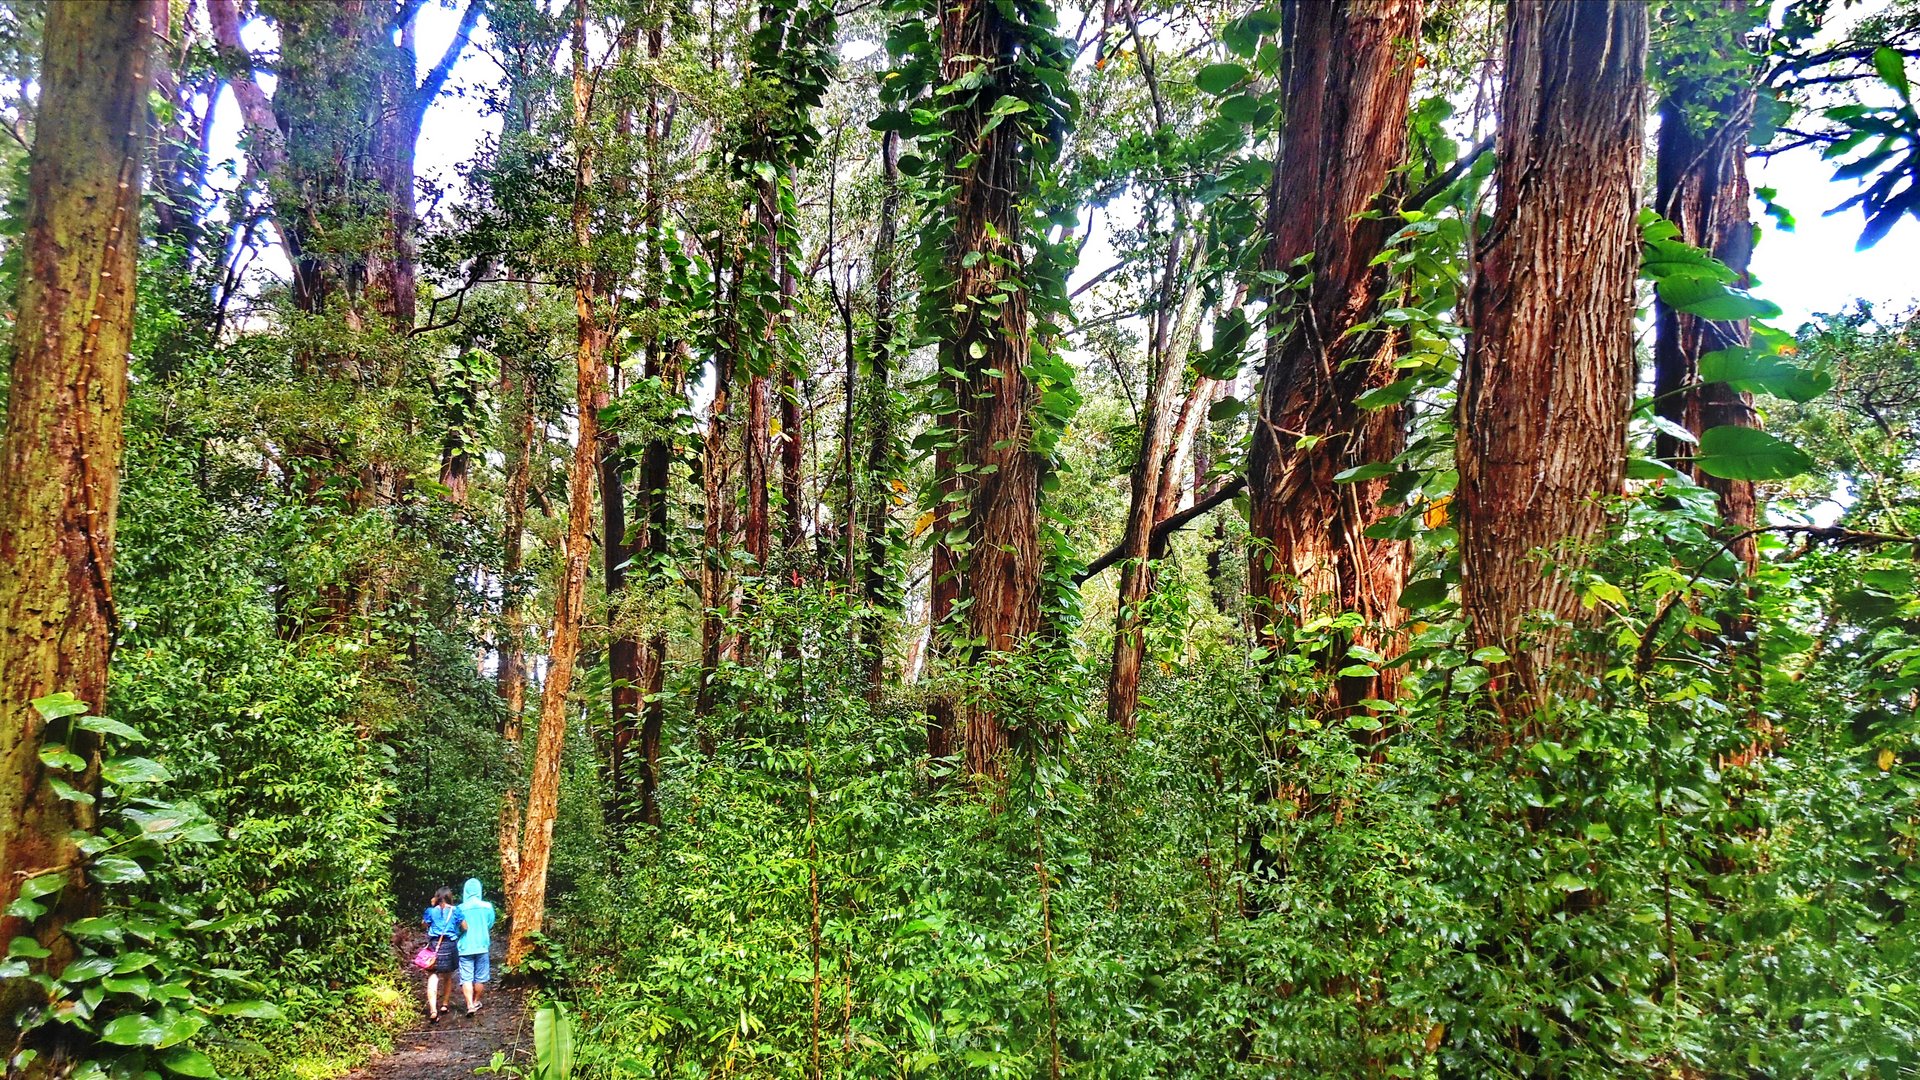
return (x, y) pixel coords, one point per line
(1694, 872)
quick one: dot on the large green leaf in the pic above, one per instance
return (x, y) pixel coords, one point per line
(134, 770)
(106, 726)
(189, 1063)
(1220, 78)
(1701, 295)
(552, 1043)
(1732, 452)
(115, 870)
(1892, 69)
(1758, 370)
(132, 1030)
(1423, 593)
(54, 706)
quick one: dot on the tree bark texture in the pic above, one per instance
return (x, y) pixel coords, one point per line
(1701, 187)
(1549, 373)
(1173, 323)
(522, 432)
(60, 458)
(991, 170)
(1349, 73)
(719, 599)
(543, 786)
(878, 408)
(623, 648)
(665, 366)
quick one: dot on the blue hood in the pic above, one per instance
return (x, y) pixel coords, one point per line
(470, 891)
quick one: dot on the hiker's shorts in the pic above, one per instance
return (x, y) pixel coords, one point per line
(477, 968)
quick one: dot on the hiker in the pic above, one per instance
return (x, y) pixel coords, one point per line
(443, 923)
(476, 960)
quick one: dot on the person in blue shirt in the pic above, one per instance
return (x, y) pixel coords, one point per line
(476, 944)
(443, 924)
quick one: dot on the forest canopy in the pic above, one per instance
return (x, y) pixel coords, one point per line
(1260, 538)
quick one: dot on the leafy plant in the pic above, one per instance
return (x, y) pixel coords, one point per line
(134, 982)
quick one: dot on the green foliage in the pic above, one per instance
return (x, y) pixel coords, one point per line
(1884, 142)
(1235, 892)
(140, 979)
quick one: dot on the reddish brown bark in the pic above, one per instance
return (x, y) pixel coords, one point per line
(592, 321)
(1349, 73)
(990, 168)
(719, 599)
(1701, 187)
(1173, 324)
(1549, 373)
(60, 457)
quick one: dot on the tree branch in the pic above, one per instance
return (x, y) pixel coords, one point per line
(1836, 535)
(256, 109)
(1168, 527)
(1419, 199)
(437, 77)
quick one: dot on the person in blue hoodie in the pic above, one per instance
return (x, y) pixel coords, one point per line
(476, 943)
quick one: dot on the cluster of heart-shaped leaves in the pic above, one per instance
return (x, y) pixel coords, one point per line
(129, 978)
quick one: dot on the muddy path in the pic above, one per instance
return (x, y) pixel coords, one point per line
(458, 1044)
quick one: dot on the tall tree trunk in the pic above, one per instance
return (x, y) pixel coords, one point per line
(757, 435)
(543, 788)
(719, 599)
(1349, 72)
(1173, 324)
(1548, 382)
(337, 144)
(991, 170)
(878, 409)
(1701, 187)
(60, 457)
(623, 648)
(665, 366)
(518, 387)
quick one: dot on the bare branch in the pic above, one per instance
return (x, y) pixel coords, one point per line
(437, 77)
(256, 109)
(1181, 520)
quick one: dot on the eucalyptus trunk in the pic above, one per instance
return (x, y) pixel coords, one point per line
(1348, 77)
(990, 168)
(1700, 180)
(589, 299)
(1549, 373)
(60, 457)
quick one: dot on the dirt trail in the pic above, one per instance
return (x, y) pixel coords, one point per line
(458, 1044)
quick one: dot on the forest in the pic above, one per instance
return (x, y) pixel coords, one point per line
(961, 538)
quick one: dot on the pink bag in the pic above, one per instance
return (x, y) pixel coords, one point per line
(424, 958)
